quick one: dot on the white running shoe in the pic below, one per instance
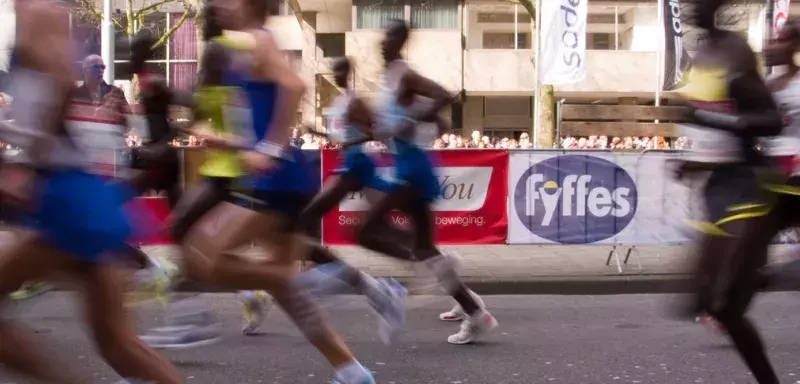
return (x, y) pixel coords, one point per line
(457, 313)
(391, 309)
(255, 306)
(182, 337)
(472, 327)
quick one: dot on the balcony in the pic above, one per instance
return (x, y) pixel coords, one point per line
(617, 71)
(498, 71)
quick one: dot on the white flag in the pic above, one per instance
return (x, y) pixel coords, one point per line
(562, 48)
(780, 14)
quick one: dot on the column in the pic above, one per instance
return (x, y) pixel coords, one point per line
(308, 106)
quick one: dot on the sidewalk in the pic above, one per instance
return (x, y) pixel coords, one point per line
(531, 269)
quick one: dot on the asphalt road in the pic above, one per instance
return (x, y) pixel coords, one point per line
(541, 339)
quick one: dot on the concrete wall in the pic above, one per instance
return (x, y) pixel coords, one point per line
(498, 70)
(617, 71)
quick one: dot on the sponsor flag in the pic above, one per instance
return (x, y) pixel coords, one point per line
(676, 59)
(562, 48)
(470, 210)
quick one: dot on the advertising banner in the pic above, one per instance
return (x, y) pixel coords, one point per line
(154, 211)
(470, 210)
(676, 59)
(562, 48)
(558, 197)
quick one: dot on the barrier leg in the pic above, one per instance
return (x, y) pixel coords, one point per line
(638, 259)
(615, 254)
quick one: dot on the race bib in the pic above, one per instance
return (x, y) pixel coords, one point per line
(708, 145)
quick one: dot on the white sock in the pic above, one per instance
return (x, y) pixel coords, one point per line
(351, 372)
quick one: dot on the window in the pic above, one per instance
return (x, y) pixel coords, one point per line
(505, 40)
(378, 14)
(601, 41)
(440, 14)
(176, 59)
(284, 9)
(331, 44)
(503, 18)
(507, 106)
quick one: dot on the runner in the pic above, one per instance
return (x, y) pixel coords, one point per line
(785, 88)
(352, 126)
(733, 107)
(415, 188)
(280, 187)
(41, 83)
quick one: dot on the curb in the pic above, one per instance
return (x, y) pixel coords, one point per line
(574, 285)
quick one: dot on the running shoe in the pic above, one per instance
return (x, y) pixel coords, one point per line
(255, 306)
(366, 379)
(391, 308)
(472, 327)
(711, 322)
(457, 313)
(30, 290)
(154, 282)
(189, 324)
(182, 336)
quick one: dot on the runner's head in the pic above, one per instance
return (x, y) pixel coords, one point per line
(781, 49)
(341, 71)
(141, 50)
(229, 14)
(257, 11)
(394, 40)
(211, 23)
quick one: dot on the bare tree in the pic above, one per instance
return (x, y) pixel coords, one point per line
(131, 20)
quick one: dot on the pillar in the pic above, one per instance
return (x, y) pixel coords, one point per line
(308, 71)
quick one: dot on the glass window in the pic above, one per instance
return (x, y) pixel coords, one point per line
(601, 41)
(505, 40)
(331, 44)
(378, 14)
(441, 14)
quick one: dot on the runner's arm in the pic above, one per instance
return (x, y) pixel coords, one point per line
(274, 67)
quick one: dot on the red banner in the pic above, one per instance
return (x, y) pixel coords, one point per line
(472, 207)
(150, 215)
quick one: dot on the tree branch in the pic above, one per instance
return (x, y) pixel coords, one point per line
(150, 7)
(165, 37)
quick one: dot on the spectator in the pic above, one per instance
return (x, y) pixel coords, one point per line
(109, 99)
(296, 140)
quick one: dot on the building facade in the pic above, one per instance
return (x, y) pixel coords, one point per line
(480, 50)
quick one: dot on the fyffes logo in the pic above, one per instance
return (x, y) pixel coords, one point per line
(575, 199)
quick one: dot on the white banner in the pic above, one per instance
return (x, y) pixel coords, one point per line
(597, 198)
(562, 48)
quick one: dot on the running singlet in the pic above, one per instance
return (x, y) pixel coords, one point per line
(291, 173)
(413, 165)
(786, 147)
(707, 89)
(219, 105)
(356, 162)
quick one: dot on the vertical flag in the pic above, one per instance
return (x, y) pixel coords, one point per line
(676, 59)
(562, 47)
